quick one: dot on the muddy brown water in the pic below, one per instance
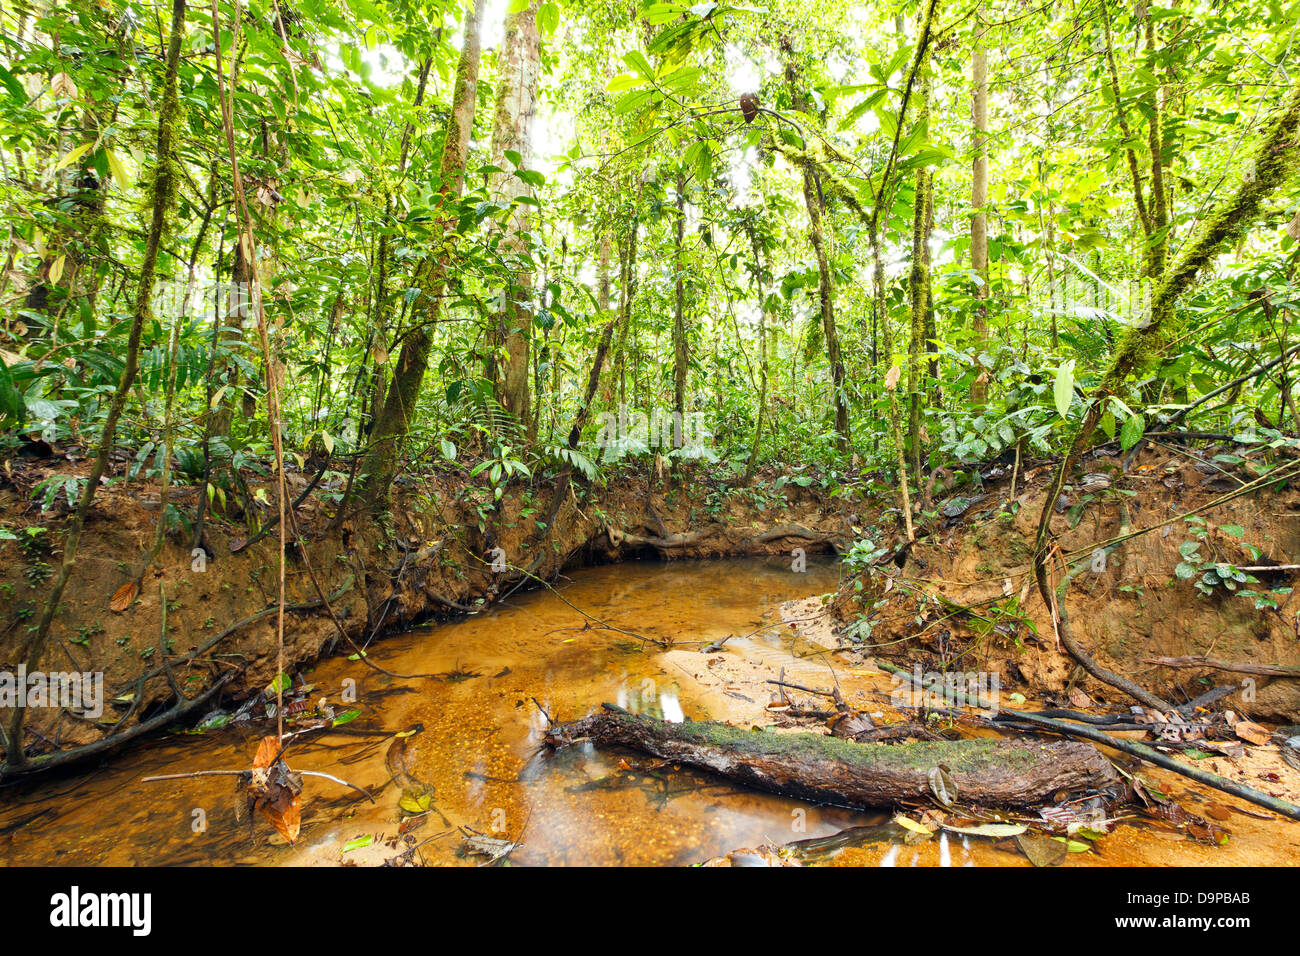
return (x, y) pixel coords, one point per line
(476, 759)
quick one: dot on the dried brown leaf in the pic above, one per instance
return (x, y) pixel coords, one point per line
(1252, 733)
(123, 597)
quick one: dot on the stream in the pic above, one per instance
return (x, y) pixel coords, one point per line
(466, 748)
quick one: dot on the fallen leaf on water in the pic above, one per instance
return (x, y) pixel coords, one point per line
(907, 823)
(358, 843)
(1217, 811)
(414, 801)
(1073, 846)
(1042, 850)
(996, 830)
(275, 791)
(123, 597)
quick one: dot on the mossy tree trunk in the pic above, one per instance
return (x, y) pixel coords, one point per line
(1272, 164)
(919, 287)
(979, 197)
(162, 197)
(512, 142)
(393, 418)
(681, 347)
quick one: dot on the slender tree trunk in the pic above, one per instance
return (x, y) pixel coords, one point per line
(826, 303)
(762, 351)
(393, 418)
(516, 109)
(919, 286)
(681, 351)
(812, 195)
(627, 297)
(979, 194)
(162, 196)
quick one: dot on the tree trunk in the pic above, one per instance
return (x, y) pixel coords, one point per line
(985, 771)
(162, 197)
(393, 418)
(812, 195)
(516, 108)
(762, 349)
(681, 349)
(919, 287)
(979, 195)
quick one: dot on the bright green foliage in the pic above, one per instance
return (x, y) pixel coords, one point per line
(340, 110)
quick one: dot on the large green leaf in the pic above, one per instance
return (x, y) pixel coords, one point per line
(1063, 388)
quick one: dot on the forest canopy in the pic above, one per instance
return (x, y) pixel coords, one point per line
(866, 242)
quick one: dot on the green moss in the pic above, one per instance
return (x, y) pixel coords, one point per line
(957, 755)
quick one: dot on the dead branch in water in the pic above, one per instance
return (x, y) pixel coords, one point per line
(62, 758)
(987, 771)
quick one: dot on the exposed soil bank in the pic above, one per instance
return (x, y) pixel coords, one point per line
(965, 598)
(443, 548)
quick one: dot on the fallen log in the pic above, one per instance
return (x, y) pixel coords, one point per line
(985, 771)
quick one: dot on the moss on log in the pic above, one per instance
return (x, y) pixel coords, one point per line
(986, 771)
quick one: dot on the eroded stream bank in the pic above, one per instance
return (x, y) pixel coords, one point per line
(476, 759)
(204, 612)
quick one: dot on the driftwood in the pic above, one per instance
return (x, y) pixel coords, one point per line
(985, 771)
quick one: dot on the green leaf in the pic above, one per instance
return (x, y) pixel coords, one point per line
(625, 81)
(1074, 846)
(1107, 424)
(74, 154)
(279, 684)
(1132, 431)
(15, 88)
(637, 61)
(13, 410)
(1063, 388)
(345, 718)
